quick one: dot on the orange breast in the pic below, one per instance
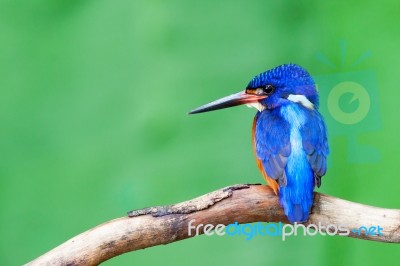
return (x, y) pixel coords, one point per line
(271, 182)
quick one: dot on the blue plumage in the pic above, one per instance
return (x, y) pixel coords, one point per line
(287, 79)
(289, 134)
(290, 138)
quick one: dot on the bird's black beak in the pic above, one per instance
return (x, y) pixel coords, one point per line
(229, 101)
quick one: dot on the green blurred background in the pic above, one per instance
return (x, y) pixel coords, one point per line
(93, 123)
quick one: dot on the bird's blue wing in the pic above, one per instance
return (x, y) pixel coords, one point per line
(315, 145)
(272, 144)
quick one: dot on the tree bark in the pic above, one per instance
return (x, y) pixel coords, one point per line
(240, 203)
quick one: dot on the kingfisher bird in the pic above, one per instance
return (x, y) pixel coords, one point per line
(288, 134)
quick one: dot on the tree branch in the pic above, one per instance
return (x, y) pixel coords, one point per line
(240, 203)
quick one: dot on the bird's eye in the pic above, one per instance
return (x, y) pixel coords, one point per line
(268, 89)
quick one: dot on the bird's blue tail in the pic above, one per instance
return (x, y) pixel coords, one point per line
(296, 204)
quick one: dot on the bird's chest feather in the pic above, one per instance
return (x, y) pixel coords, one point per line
(295, 116)
(276, 129)
(279, 143)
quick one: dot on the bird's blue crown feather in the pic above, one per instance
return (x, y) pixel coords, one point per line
(290, 79)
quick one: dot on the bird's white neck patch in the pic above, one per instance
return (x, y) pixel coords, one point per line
(256, 105)
(301, 99)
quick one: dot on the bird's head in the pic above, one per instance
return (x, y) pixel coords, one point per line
(285, 84)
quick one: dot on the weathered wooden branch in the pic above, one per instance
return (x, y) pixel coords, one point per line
(240, 203)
